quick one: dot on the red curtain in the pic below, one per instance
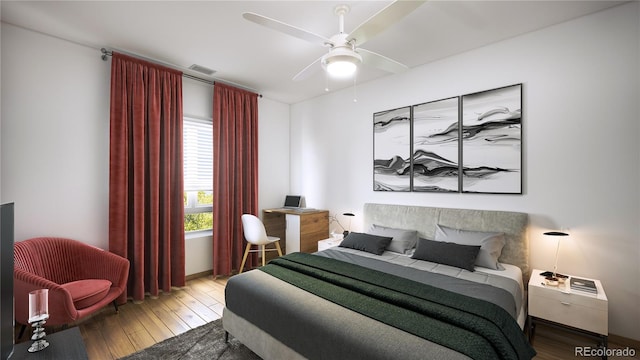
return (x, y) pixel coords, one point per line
(146, 206)
(235, 177)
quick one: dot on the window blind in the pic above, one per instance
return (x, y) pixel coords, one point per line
(198, 154)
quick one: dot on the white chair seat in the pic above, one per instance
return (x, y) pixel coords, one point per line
(269, 240)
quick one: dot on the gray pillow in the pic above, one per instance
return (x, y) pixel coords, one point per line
(491, 244)
(366, 242)
(402, 240)
(447, 253)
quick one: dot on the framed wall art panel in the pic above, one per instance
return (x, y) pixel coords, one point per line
(492, 141)
(392, 150)
(436, 146)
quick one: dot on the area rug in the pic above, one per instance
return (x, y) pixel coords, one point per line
(204, 342)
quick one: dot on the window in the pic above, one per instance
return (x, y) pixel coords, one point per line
(198, 174)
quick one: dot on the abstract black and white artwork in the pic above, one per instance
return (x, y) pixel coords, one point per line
(436, 146)
(392, 150)
(492, 141)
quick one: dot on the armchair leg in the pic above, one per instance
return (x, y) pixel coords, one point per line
(226, 337)
(22, 329)
(115, 305)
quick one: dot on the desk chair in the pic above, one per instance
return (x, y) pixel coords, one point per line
(255, 234)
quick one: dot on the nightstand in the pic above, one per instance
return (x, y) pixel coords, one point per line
(560, 306)
(328, 243)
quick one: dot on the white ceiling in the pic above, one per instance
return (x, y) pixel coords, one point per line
(214, 34)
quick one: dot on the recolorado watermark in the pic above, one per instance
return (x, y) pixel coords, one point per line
(588, 351)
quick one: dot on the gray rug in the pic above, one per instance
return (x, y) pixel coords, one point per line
(204, 342)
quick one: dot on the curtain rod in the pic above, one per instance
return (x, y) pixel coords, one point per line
(106, 53)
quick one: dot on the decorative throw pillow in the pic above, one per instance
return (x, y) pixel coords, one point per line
(366, 242)
(491, 244)
(402, 240)
(462, 256)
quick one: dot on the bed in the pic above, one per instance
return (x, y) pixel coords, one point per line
(279, 313)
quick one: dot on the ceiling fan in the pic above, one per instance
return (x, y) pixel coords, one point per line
(345, 53)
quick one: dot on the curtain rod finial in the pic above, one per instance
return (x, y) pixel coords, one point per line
(105, 53)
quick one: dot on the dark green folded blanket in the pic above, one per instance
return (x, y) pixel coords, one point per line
(476, 328)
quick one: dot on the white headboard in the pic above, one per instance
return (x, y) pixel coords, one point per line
(424, 220)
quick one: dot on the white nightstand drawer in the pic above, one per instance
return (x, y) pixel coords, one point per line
(566, 312)
(564, 295)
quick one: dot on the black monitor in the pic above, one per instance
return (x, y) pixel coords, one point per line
(6, 280)
(292, 201)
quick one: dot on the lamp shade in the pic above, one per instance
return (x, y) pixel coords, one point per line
(556, 233)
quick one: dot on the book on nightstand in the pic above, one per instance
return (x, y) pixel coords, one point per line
(583, 285)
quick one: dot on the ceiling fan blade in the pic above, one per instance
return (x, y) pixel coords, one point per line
(371, 58)
(286, 28)
(308, 71)
(382, 20)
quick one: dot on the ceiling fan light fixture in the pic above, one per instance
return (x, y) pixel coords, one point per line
(341, 69)
(341, 63)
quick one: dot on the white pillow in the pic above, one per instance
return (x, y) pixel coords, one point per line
(402, 240)
(491, 244)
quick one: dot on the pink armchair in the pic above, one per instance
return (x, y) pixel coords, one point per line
(81, 279)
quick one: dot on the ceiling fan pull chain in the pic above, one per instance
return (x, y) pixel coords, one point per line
(355, 93)
(326, 81)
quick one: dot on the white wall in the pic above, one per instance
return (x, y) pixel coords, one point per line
(55, 140)
(55, 136)
(273, 153)
(581, 149)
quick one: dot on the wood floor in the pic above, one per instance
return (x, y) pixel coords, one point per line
(110, 336)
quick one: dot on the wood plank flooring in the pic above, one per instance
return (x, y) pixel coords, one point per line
(109, 336)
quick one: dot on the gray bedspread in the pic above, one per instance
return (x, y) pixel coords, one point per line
(499, 290)
(318, 329)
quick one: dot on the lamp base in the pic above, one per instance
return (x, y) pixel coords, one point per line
(553, 279)
(39, 343)
(551, 273)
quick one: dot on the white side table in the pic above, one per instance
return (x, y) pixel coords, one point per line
(573, 310)
(328, 243)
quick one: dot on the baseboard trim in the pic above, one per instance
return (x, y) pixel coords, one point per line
(199, 275)
(624, 341)
(569, 337)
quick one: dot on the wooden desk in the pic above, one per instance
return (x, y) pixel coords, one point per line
(299, 231)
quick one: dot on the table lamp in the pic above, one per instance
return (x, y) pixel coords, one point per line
(552, 276)
(345, 230)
